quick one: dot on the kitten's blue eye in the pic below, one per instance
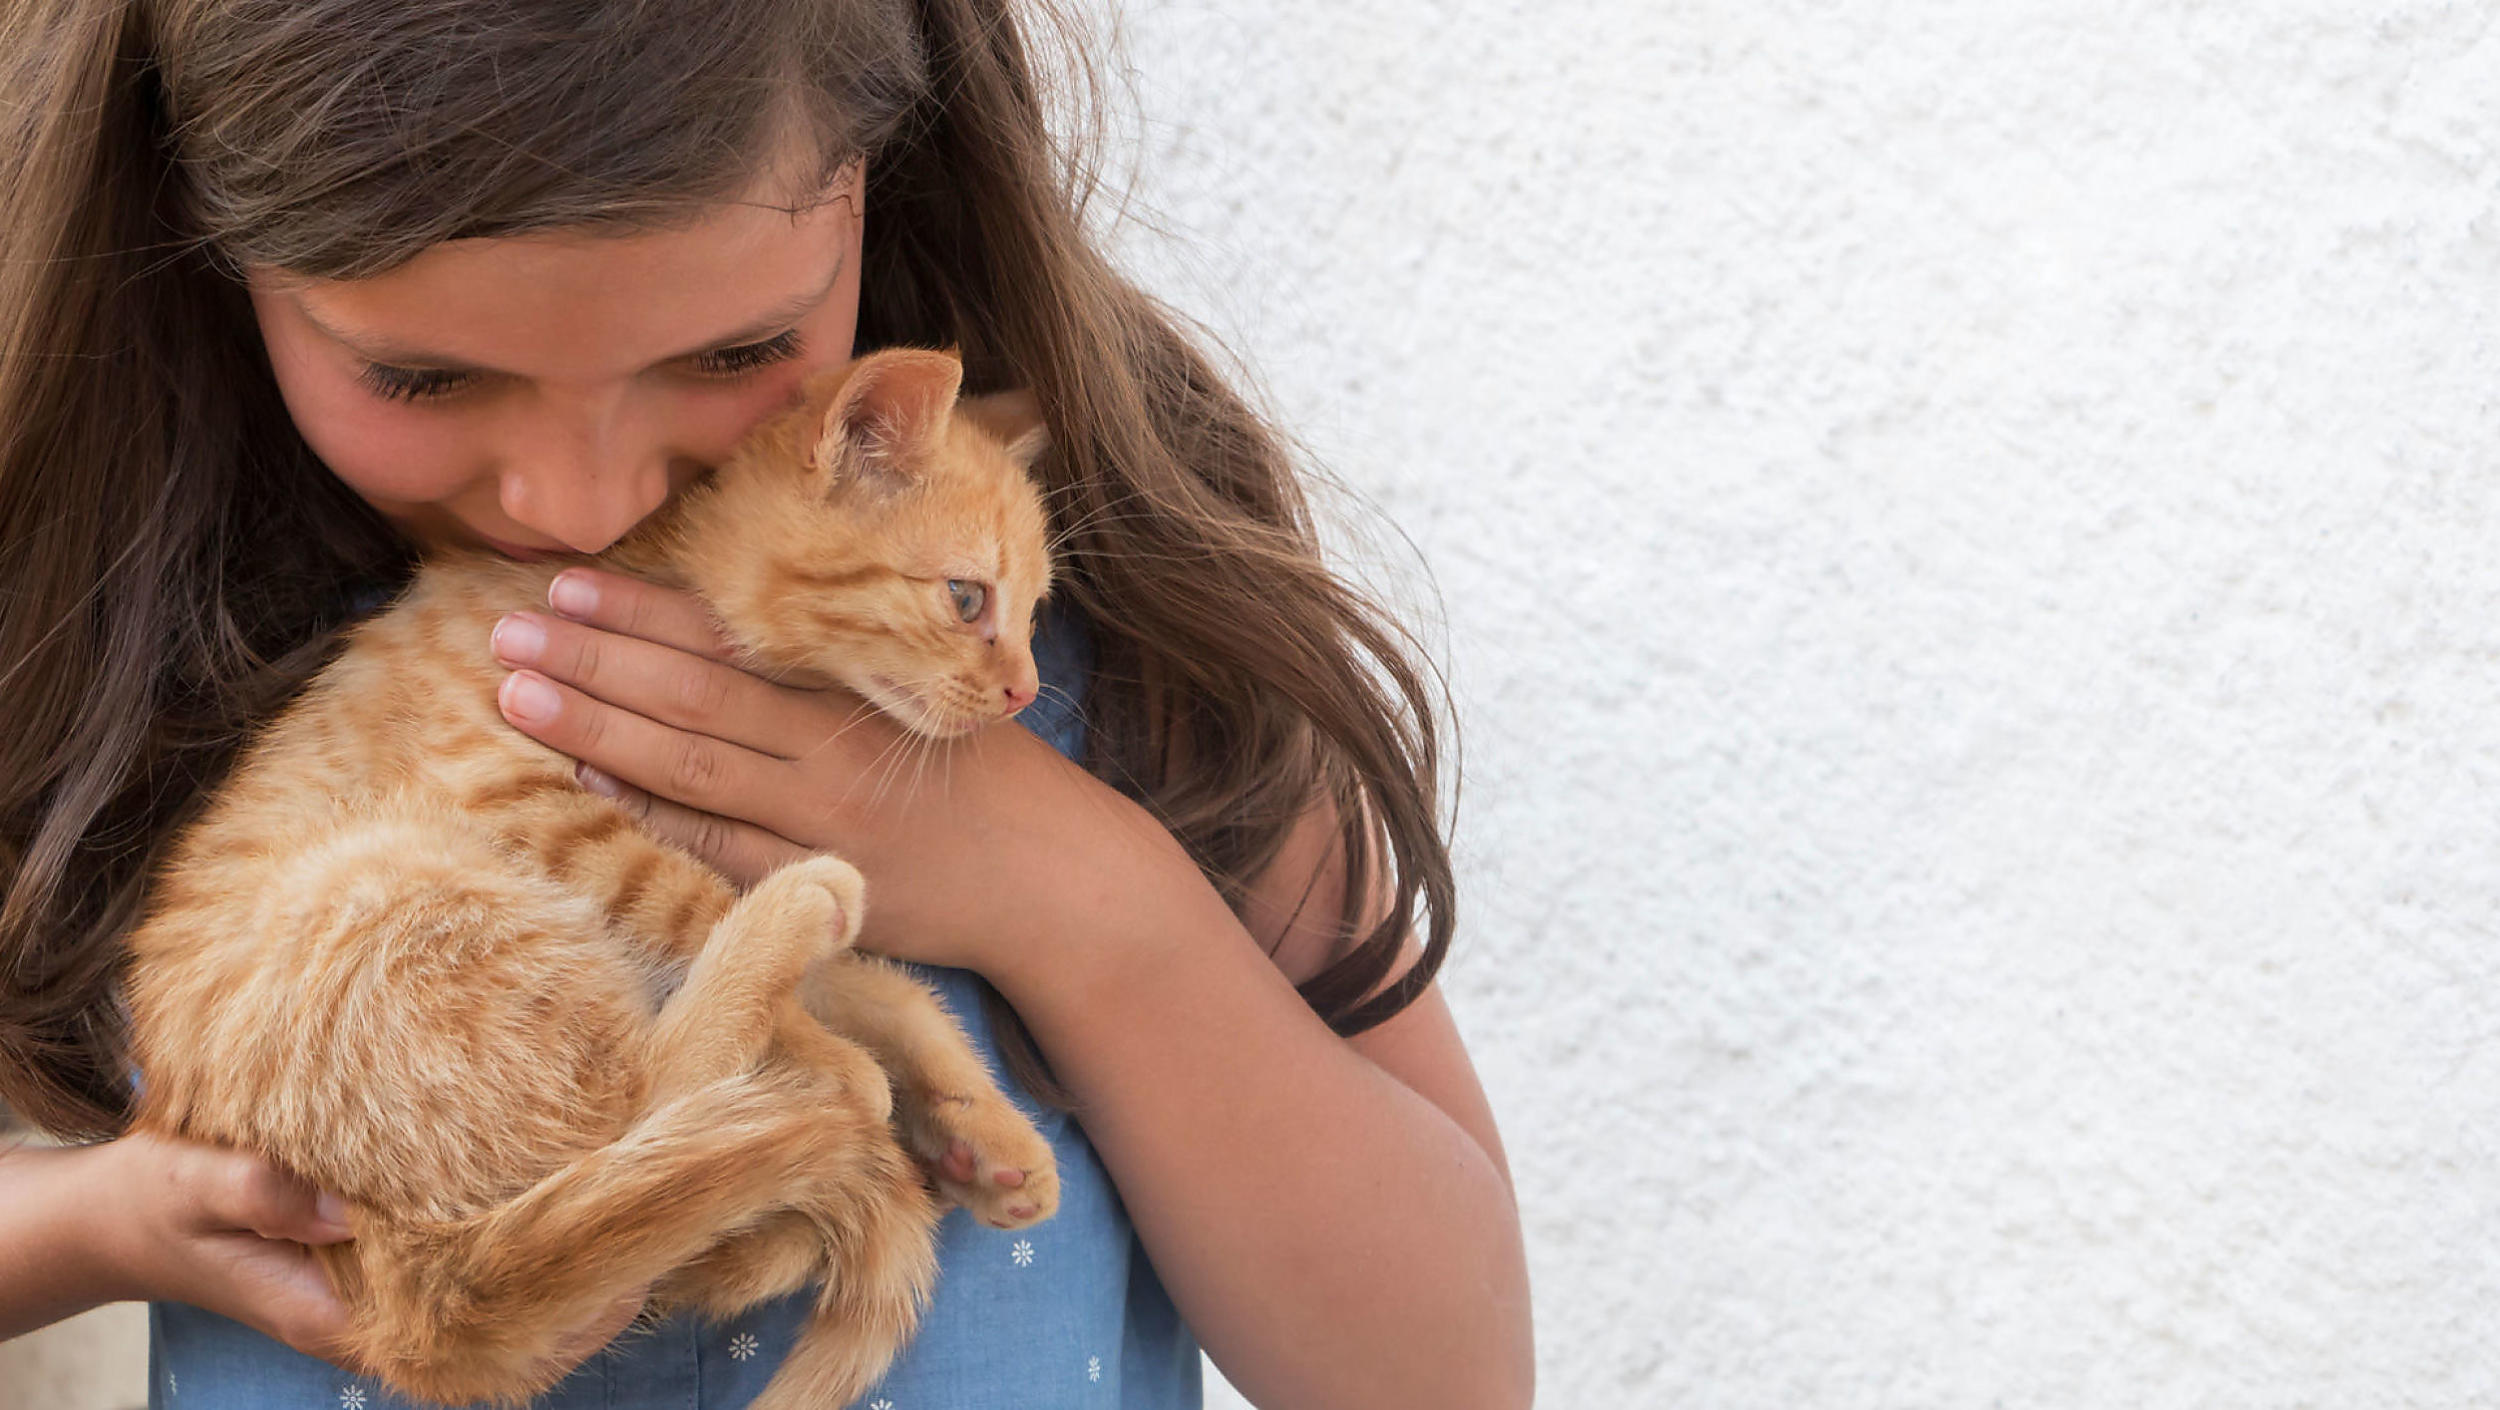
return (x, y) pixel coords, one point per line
(970, 598)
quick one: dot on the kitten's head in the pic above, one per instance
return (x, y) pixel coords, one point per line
(885, 534)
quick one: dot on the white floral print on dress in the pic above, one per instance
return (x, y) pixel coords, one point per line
(742, 1346)
(1022, 1253)
(1093, 1368)
(352, 1398)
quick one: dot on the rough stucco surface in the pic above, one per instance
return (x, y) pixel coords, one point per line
(1967, 541)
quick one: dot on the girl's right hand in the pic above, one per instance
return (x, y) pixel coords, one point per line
(228, 1231)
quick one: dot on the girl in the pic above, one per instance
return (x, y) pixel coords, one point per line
(291, 290)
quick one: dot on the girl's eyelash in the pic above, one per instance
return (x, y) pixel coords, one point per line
(746, 357)
(425, 383)
(409, 383)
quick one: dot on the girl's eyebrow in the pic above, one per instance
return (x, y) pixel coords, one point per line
(765, 325)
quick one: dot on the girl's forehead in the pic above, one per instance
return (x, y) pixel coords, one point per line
(567, 304)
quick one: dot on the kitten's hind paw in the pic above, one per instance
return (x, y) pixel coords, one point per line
(984, 1155)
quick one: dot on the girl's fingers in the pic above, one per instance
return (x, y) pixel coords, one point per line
(238, 1191)
(238, 1237)
(636, 608)
(743, 852)
(706, 774)
(279, 1290)
(667, 684)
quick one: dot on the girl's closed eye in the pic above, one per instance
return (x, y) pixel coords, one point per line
(748, 357)
(413, 384)
(410, 383)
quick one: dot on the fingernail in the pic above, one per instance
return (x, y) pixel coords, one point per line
(330, 1209)
(597, 782)
(572, 595)
(528, 699)
(518, 640)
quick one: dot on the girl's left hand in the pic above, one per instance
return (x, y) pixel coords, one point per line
(636, 683)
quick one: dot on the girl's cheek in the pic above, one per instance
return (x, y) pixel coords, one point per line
(390, 453)
(712, 421)
(383, 450)
(712, 424)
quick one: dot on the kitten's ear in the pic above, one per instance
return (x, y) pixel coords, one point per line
(1015, 418)
(890, 407)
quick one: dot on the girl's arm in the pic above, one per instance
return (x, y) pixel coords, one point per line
(1332, 1216)
(49, 1268)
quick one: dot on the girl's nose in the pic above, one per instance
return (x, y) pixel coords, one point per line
(583, 486)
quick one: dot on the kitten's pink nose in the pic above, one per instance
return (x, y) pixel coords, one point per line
(1020, 694)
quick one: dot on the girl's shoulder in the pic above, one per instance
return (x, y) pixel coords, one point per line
(1063, 652)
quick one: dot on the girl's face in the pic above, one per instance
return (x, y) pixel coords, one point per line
(543, 393)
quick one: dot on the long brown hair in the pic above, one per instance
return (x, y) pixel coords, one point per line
(174, 562)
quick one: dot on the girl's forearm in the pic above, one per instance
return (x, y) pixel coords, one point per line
(51, 1265)
(1335, 1239)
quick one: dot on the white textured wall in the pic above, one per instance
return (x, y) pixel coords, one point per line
(1967, 530)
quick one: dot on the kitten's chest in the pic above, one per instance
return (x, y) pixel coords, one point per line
(408, 711)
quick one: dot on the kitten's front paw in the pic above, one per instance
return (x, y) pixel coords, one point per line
(821, 896)
(985, 1156)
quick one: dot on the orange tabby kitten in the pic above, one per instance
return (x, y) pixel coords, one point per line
(549, 1059)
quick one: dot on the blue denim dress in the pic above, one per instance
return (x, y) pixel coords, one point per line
(1067, 1315)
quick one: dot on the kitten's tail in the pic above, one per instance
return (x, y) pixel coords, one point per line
(476, 1308)
(882, 1268)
